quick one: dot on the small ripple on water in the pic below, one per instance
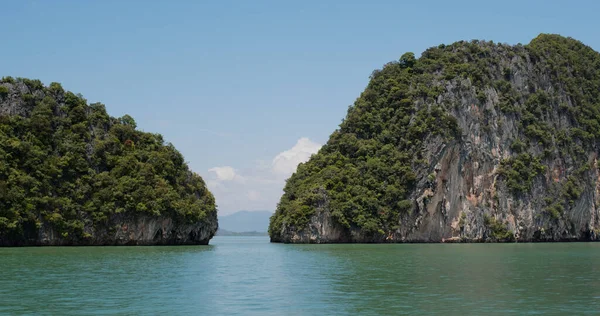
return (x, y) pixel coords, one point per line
(249, 276)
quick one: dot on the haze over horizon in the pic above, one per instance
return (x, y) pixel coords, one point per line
(245, 90)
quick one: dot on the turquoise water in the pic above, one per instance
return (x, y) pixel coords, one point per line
(250, 276)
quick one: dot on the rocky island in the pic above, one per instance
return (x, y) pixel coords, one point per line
(72, 175)
(470, 142)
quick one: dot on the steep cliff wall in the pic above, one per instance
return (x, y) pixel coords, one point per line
(473, 141)
(72, 175)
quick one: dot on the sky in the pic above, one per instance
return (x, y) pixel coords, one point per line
(248, 89)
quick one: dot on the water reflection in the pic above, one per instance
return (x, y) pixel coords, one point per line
(487, 278)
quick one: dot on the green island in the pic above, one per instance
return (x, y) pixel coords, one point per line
(70, 174)
(472, 142)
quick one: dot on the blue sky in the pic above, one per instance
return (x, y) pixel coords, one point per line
(246, 89)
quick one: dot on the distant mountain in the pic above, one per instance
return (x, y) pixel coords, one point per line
(245, 221)
(222, 232)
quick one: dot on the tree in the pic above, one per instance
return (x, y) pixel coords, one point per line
(407, 60)
(127, 120)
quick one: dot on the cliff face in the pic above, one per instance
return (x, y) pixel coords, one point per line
(72, 175)
(471, 142)
(134, 230)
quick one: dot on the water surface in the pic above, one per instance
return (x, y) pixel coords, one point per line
(250, 276)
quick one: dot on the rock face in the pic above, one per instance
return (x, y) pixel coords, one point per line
(136, 230)
(72, 175)
(472, 142)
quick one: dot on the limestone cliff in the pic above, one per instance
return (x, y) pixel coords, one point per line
(72, 175)
(471, 142)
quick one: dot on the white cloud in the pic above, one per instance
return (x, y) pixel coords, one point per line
(286, 162)
(225, 173)
(213, 185)
(259, 187)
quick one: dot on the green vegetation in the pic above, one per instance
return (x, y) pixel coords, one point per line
(3, 92)
(520, 171)
(371, 165)
(70, 165)
(462, 220)
(564, 195)
(498, 230)
(7, 80)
